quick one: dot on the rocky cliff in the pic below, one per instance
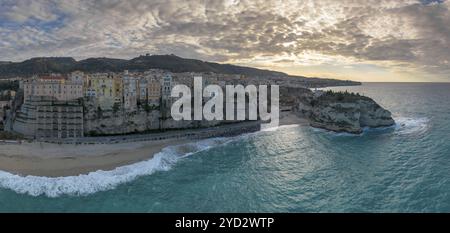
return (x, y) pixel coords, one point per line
(121, 121)
(339, 112)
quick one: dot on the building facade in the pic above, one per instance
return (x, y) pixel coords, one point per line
(130, 84)
(101, 86)
(46, 117)
(62, 88)
(166, 99)
(118, 89)
(154, 91)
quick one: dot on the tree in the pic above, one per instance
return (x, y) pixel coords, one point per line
(116, 107)
(99, 112)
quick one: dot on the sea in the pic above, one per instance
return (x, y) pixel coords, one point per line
(404, 168)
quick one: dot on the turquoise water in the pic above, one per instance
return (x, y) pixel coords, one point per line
(405, 168)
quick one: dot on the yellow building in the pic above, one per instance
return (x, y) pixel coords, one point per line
(101, 86)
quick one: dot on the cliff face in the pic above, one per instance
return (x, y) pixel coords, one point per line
(110, 123)
(337, 117)
(339, 112)
(137, 122)
(350, 117)
(373, 115)
(121, 121)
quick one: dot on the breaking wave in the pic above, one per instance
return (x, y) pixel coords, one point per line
(409, 125)
(335, 134)
(403, 126)
(271, 129)
(97, 181)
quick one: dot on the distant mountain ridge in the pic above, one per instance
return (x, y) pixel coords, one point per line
(64, 65)
(4, 62)
(45, 65)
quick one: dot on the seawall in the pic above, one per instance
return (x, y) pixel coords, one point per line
(225, 130)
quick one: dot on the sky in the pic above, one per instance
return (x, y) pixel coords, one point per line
(362, 40)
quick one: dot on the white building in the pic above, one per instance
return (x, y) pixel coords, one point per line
(130, 85)
(167, 84)
(143, 90)
(166, 99)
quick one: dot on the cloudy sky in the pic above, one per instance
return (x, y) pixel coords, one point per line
(365, 40)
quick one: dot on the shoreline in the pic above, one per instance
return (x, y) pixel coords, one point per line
(52, 160)
(61, 160)
(46, 159)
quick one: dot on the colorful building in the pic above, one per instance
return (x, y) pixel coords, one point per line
(101, 86)
(149, 90)
(61, 87)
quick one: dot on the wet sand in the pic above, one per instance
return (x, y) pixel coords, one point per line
(53, 160)
(56, 160)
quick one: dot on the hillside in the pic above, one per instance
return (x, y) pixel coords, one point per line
(37, 66)
(166, 62)
(46, 65)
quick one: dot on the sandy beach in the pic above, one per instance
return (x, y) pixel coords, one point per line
(56, 160)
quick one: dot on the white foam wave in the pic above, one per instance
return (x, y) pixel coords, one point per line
(93, 182)
(103, 180)
(403, 126)
(337, 134)
(279, 127)
(409, 125)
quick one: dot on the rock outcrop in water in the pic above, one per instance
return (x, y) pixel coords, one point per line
(339, 112)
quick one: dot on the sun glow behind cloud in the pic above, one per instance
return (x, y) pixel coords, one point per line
(388, 40)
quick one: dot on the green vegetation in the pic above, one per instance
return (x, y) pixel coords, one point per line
(149, 108)
(341, 96)
(166, 62)
(93, 133)
(99, 112)
(5, 97)
(9, 85)
(116, 107)
(4, 135)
